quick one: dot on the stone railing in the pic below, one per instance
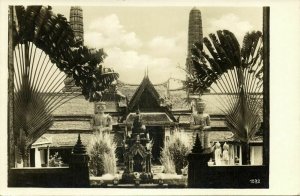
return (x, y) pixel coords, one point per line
(200, 175)
(77, 175)
(40, 177)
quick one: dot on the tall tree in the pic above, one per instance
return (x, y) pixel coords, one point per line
(236, 72)
(45, 51)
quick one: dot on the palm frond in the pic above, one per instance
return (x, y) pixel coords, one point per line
(45, 52)
(233, 71)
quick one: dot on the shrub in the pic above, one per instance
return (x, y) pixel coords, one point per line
(102, 152)
(55, 160)
(167, 161)
(173, 156)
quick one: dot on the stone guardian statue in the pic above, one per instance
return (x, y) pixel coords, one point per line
(200, 123)
(101, 122)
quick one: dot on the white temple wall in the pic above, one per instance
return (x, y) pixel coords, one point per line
(256, 155)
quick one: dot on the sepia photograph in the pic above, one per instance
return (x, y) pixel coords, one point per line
(136, 97)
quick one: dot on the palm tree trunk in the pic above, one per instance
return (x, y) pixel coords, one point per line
(245, 153)
(11, 149)
(26, 157)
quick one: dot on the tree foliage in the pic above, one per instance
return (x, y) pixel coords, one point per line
(225, 67)
(53, 34)
(38, 35)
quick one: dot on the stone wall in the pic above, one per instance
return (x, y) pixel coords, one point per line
(246, 176)
(40, 177)
(77, 175)
(200, 175)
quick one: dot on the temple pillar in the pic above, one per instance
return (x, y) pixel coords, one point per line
(48, 155)
(231, 154)
(37, 157)
(240, 156)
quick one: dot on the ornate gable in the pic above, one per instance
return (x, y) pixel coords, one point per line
(145, 97)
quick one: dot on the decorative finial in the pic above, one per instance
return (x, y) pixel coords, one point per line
(79, 147)
(146, 72)
(197, 146)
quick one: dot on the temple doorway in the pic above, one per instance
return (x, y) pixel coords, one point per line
(157, 135)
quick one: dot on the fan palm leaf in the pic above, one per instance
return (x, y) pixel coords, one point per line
(45, 52)
(235, 71)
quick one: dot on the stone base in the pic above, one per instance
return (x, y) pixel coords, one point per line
(145, 177)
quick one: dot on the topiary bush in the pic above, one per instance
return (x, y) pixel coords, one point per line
(102, 152)
(173, 155)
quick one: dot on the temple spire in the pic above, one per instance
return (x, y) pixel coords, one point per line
(195, 33)
(76, 22)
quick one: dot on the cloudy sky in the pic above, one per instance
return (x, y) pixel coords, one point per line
(155, 37)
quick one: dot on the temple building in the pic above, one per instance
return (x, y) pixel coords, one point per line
(162, 111)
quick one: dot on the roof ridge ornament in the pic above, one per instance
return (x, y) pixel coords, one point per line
(146, 72)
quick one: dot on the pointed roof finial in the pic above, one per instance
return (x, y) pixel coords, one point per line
(146, 72)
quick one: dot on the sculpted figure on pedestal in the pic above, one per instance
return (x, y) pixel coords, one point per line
(200, 123)
(218, 153)
(101, 122)
(225, 154)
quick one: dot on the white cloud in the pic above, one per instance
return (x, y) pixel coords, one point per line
(171, 47)
(128, 56)
(232, 23)
(107, 32)
(131, 65)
